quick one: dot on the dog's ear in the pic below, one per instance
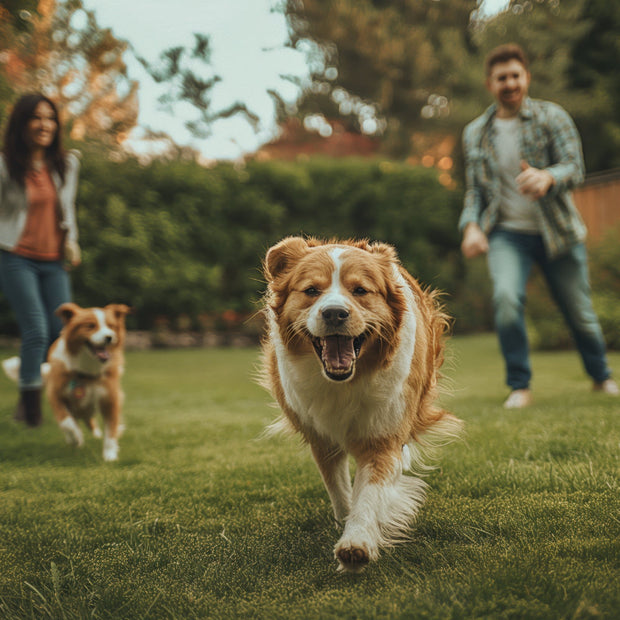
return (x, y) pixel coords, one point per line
(383, 249)
(67, 311)
(279, 256)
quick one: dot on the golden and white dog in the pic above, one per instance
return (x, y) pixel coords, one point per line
(83, 371)
(352, 356)
(85, 368)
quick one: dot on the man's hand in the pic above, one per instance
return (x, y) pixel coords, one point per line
(533, 182)
(475, 242)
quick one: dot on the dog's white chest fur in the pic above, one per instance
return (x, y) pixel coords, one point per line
(354, 410)
(83, 362)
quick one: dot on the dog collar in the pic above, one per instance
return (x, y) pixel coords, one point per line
(77, 383)
(77, 388)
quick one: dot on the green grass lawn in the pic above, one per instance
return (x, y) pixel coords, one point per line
(201, 518)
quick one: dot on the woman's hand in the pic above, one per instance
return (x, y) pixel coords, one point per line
(73, 254)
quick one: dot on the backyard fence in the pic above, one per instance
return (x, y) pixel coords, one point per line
(598, 201)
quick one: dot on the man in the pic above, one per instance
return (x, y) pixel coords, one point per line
(522, 157)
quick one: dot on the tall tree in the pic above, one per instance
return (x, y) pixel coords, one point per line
(405, 58)
(59, 49)
(14, 33)
(593, 69)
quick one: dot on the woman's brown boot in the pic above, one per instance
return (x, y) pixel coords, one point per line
(31, 401)
(20, 413)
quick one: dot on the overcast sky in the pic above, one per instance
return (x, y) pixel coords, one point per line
(248, 39)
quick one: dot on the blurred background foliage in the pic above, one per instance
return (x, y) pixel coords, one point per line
(419, 64)
(174, 239)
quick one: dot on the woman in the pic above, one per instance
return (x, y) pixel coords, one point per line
(38, 233)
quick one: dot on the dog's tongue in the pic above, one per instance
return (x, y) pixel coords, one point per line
(338, 352)
(102, 355)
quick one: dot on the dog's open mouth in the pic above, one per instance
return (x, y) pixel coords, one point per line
(338, 355)
(100, 352)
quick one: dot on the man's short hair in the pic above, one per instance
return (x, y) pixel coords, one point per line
(504, 53)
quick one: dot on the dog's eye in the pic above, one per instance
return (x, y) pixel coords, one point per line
(311, 291)
(90, 325)
(360, 290)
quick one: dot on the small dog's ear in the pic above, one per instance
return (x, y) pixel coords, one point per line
(279, 256)
(67, 311)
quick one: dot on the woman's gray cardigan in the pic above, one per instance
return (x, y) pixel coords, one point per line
(14, 203)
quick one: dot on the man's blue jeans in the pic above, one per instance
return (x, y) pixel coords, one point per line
(511, 257)
(34, 289)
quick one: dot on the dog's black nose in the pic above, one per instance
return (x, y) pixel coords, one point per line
(335, 315)
(108, 339)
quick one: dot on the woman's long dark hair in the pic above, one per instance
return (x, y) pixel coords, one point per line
(17, 151)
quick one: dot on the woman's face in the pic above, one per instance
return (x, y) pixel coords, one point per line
(42, 126)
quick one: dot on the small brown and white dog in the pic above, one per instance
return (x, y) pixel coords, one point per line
(352, 355)
(83, 371)
(85, 367)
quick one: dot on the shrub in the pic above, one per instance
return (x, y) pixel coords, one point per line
(175, 239)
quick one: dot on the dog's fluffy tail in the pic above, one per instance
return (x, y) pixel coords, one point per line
(419, 457)
(12, 365)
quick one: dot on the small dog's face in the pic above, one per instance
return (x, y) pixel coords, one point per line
(96, 330)
(341, 301)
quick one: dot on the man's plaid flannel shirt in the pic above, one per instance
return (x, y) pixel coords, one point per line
(549, 140)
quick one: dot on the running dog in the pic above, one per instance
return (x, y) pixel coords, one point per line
(352, 355)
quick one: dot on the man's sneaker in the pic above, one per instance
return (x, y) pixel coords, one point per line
(609, 386)
(518, 399)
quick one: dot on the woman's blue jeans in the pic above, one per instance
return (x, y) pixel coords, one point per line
(34, 289)
(511, 257)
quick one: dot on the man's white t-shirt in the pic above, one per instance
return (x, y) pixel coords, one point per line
(517, 212)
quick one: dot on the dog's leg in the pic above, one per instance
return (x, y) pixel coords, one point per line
(111, 412)
(66, 422)
(334, 467)
(384, 504)
(72, 431)
(110, 446)
(94, 428)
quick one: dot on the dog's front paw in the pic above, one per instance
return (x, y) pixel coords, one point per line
(73, 434)
(110, 450)
(352, 558)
